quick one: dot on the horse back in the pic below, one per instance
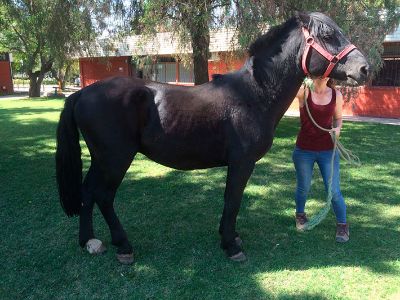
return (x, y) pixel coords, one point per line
(180, 127)
(204, 126)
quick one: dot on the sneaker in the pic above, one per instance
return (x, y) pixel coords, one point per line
(342, 232)
(301, 220)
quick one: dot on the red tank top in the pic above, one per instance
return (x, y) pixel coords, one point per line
(311, 137)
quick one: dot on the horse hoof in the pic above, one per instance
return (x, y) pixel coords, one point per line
(95, 246)
(239, 257)
(126, 259)
(238, 241)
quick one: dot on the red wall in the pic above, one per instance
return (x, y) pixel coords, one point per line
(381, 102)
(6, 85)
(225, 65)
(97, 68)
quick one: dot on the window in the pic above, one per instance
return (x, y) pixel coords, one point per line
(4, 57)
(389, 75)
(185, 73)
(170, 72)
(149, 72)
(164, 70)
(160, 72)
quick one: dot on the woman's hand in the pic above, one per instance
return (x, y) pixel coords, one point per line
(337, 131)
(337, 116)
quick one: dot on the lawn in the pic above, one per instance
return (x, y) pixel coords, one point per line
(172, 219)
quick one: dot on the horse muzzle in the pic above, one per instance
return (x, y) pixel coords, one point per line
(357, 69)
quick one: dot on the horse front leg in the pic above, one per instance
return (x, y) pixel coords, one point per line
(238, 175)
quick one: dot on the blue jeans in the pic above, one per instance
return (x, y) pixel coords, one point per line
(304, 163)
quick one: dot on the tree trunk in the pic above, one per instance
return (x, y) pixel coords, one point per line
(61, 81)
(36, 78)
(200, 38)
(62, 73)
(200, 59)
(35, 82)
(66, 74)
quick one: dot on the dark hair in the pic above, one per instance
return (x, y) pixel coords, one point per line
(331, 83)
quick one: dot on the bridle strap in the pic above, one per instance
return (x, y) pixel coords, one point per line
(310, 43)
(336, 58)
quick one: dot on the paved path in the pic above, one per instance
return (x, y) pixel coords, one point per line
(288, 113)
(372, 120)
(359, 119)
(22, 92)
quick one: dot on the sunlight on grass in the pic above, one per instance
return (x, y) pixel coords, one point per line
(44, 146)
(36, 117)
(142, 168)
(172, 219)
(330, 283)
(143, 270)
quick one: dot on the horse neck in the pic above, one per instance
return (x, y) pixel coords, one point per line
(280, 75)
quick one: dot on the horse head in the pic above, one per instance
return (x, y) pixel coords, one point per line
(328, 53)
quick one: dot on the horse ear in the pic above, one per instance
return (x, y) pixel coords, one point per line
(303, 18)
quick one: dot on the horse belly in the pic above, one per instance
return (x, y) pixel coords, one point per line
(184, 153)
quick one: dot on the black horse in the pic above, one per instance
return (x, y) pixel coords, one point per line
(229, 121)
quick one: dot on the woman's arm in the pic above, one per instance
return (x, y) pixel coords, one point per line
(337, 116)
(300, 96)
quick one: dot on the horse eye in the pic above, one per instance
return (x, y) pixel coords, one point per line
(327, 32)
(327, 36)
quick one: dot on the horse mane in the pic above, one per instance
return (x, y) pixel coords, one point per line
(217, 76)
(267, 50)
(268, 44)
(274, 35)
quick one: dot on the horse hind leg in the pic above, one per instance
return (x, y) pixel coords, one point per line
(110, 131)
(86, 234)
(105, 178)
(119, 237)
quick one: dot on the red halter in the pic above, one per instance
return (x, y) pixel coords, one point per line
(311, 43)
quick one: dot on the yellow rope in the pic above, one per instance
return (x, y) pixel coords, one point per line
(346, 154)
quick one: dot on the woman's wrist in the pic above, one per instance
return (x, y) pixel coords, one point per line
(337, 123)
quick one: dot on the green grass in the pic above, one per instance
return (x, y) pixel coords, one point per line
(172, 219)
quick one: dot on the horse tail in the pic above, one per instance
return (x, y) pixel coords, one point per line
(68, 159)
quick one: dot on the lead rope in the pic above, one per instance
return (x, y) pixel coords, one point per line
(345, 154)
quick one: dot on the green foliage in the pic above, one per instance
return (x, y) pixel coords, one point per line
(365, 22)
(42, 32)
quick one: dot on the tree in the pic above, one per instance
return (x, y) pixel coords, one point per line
(62, 71)
(42, 32)
(190, 20)
(366, 22)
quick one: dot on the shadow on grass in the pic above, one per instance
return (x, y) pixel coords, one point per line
(172, 221)
(186, 212)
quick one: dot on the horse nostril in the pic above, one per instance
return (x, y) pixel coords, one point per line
(364, 70)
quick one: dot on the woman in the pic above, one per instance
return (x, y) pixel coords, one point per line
(314, 145)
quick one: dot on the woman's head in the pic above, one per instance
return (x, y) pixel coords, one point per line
(331, 83)
(325, 81)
